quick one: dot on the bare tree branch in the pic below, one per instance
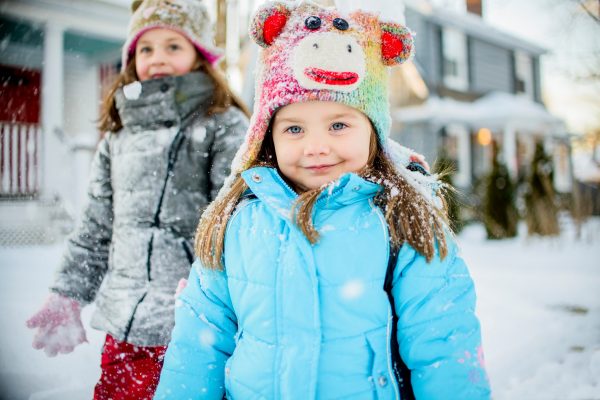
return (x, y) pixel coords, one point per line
(589, 12)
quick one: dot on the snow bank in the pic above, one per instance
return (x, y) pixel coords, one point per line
(539, 307)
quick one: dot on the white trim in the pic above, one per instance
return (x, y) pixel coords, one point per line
(462, 135)
(101, 19)
(52, 107)
(524, 71)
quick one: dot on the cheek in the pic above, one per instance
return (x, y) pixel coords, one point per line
(187, 64)
(283, 151)
(358, 151)
(140, 68)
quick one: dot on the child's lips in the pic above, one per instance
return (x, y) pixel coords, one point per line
(157, 76)
(320, 168)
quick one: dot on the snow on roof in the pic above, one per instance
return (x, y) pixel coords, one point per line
(436, 110)
(500, 108)
(496, 110)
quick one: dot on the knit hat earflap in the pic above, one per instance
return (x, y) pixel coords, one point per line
(313, 53)
(187, 17)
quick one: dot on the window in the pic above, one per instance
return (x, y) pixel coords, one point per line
(523, 74)
(455, 65)
(457, 147)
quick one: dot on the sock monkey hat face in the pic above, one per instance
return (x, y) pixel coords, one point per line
(187, 17)
(313, 53)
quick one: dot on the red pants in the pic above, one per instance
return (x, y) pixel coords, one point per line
(128, 371)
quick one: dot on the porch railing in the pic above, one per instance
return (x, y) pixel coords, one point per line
(19, 160)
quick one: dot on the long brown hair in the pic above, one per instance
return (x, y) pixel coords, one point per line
(409, 216)
(223, 96)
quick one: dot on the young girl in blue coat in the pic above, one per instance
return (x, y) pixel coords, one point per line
(287, 299)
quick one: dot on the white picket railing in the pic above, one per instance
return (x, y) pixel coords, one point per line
(19, 159)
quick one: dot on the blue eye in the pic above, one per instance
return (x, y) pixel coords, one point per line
(337, 126)
(294, 129)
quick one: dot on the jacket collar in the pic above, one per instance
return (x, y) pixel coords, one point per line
(165, 102)
(266, 184)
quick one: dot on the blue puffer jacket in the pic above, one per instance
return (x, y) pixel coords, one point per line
(291, 320)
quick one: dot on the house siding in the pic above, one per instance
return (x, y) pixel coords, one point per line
(420, 137)
(427, 47)
(491, 67)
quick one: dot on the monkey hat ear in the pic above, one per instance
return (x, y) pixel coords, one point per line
(397, 43)
(268, 22)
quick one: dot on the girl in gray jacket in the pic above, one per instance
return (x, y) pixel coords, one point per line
(173, 127)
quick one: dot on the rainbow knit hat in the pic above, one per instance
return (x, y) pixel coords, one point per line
(315, 53)
(188, 17)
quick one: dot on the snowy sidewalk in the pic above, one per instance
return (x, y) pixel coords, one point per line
(539, 305)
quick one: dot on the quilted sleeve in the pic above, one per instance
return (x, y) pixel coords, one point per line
(438, 333)
(202, 339)
(85, 261)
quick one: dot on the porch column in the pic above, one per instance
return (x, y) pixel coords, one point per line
(52, 109)
(464, 173)
(509, 149)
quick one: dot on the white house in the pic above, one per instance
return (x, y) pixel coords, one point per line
(56, 58)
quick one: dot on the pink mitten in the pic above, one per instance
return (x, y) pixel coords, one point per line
(180, 286)
(59, 325)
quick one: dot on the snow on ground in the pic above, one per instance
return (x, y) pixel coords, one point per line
(539, 304)
(25, 373)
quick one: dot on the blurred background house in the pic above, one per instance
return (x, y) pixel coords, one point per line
(56, 58)
(469, 86)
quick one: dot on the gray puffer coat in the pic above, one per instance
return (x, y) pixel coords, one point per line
(149, 183)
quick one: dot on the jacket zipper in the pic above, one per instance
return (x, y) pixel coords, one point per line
(285, 185)
(173, 150)
(391, 373)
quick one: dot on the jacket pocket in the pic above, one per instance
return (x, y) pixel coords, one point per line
(382, 375)
(228, 364)
(248, 372)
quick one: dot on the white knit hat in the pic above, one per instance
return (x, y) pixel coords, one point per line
(188, 17)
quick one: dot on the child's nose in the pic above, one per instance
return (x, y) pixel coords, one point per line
(157, 57)
(316, 147)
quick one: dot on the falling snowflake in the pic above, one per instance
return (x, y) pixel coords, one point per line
(207, 337)
(352, 289)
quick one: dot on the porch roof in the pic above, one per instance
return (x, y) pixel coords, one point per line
(496, 111)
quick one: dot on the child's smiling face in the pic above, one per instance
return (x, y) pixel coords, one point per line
(163, 52)
(317, 142)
